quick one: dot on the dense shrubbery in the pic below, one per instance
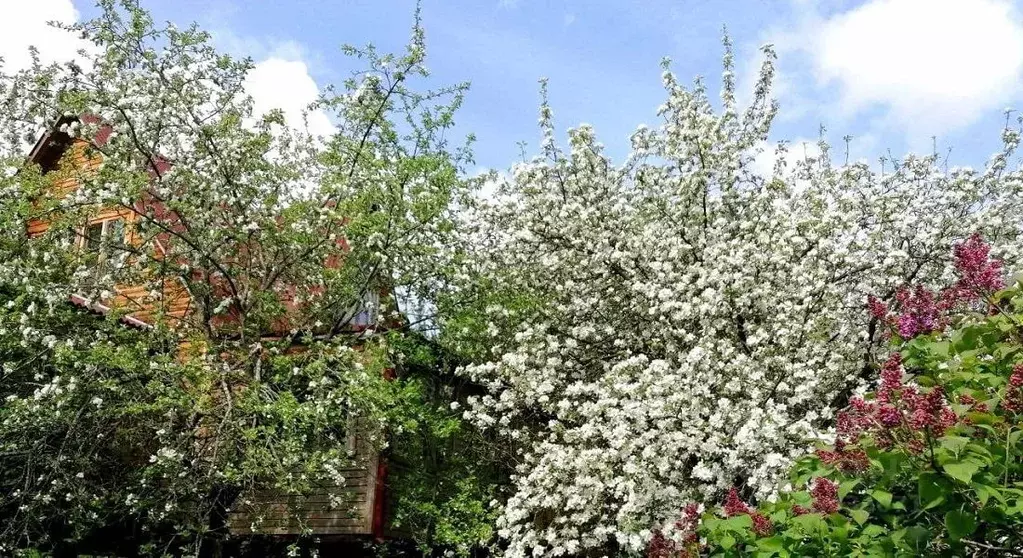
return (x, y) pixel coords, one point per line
(927, 463)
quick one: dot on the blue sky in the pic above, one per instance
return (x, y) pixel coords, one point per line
(890, 73)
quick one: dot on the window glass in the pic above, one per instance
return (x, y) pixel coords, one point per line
(367, 312)
(104, 237)
(113, 236)
(94, 237)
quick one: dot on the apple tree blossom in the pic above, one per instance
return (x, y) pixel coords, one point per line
(653, 332)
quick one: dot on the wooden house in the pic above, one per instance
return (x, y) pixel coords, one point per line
(354, 509)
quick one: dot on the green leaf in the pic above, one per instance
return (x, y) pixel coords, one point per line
(737, 524)
(993, 514)
(930, 491)
(874, 530)
(859, 516)
(810, 523)
(979, 451)
(845, 487)
(892, 463)
(954, 444)
(1013, 437)
(711, 524)
(962, 471)
(940, 348)
(771, 544)
(965, 339)
(959, 524)
(982, 418)
(884, 498)
(838, 520)
(917, 537)
(727, 541)
(802, 498)
(983, 493)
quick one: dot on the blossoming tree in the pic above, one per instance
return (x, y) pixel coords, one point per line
(654, 332)
(286, 244)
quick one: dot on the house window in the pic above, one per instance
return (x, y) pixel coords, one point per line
(55, 147)
(367, 312)
(100, 237)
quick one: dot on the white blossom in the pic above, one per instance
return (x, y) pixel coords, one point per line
(679, 323)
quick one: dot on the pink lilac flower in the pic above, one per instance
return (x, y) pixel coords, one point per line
(734, 505)
(761, 525)
(891, 378)
(920, 312)
(877, 308)
(919, 419)
(661, 546)
(855, 420)
(909, 399)
(690, 517)
(947, 420)
(799, 510)
(1016, 380)
(978, 274)
(845, 460)
(888, 415)
(1013, 400)
(934, 400)
(825, 496)
(931, 411)
(951, 297)
(975, 406)
(689, 522)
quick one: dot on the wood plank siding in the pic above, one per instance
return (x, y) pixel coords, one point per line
(347, 509)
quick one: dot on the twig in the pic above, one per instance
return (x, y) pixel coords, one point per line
(1004, 551)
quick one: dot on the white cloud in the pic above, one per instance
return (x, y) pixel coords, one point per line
(281, 83)
(933, 65)
(24, 24)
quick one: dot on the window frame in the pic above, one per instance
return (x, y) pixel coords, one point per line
(105, 223)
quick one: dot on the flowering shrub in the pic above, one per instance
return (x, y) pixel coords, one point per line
(652, 332)
(928, 462)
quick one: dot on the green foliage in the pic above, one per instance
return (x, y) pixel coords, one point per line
(113, 443)
(933, 491)
(443, 473)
